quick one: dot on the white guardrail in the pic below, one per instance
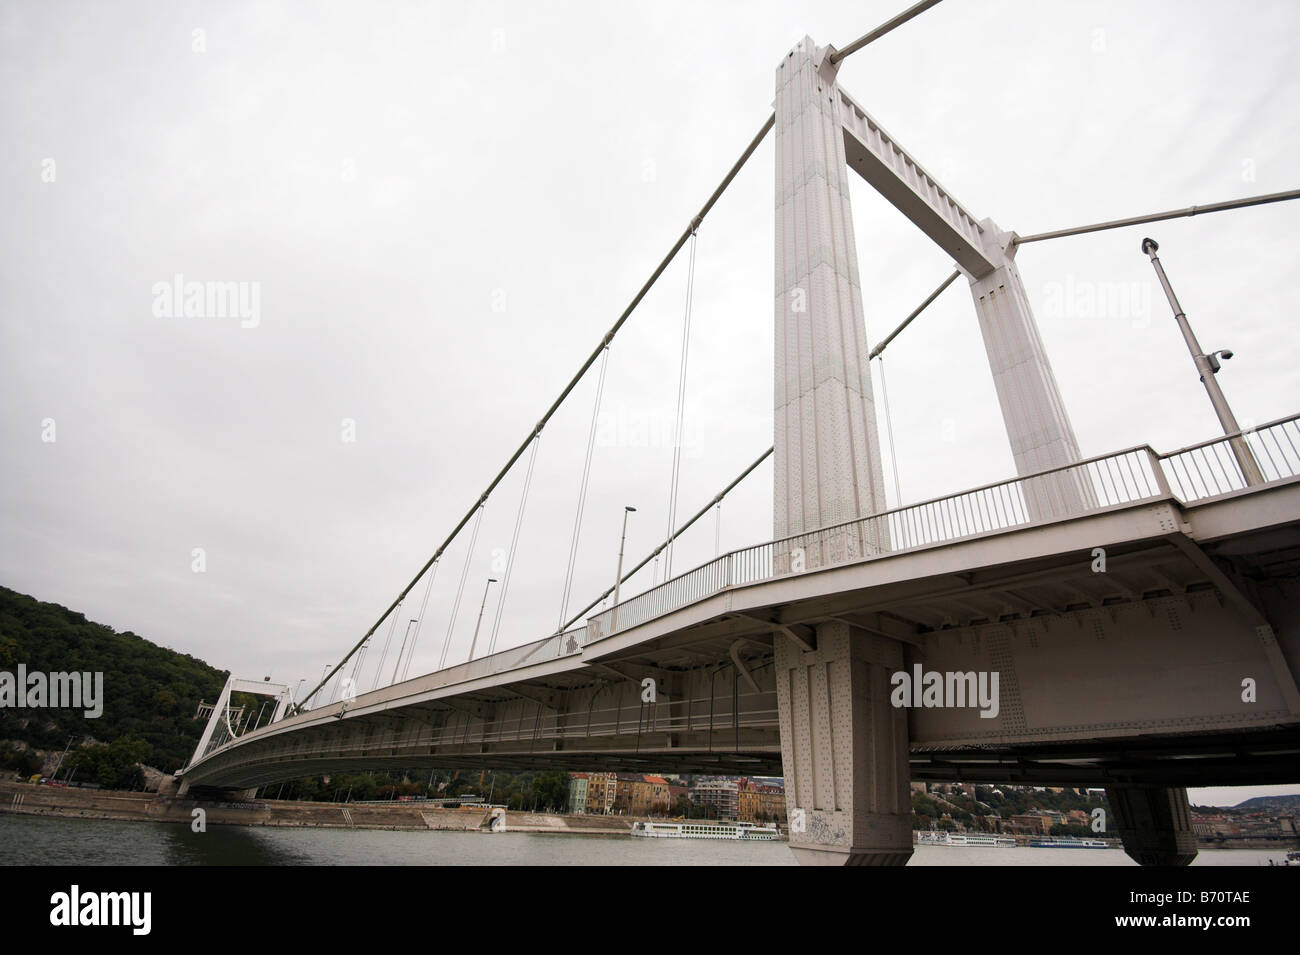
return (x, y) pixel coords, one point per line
(1196, 473)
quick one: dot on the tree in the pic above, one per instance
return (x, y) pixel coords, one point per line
(115, 765)
(22, 761)
(552, 791)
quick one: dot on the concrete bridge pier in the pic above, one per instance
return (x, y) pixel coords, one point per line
(1155, 824)
(844, 747)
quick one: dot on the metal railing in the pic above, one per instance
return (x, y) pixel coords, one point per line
(1196, 473)
(1192, 474)
(1211, 468)
(548, 648)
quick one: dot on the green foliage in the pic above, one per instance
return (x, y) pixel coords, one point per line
(150, 693)
(547, 791)
(542, 791)
(24, 762)
(113, 766)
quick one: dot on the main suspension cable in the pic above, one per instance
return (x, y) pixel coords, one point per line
(875, 352)
(878, 32)
(591, 360)
(1161, 216)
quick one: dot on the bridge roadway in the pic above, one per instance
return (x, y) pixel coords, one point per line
(1129, 673)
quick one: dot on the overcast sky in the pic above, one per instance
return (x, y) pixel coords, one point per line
(440, 209)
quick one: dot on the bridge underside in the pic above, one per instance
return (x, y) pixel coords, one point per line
(1256, 757)
(1128, 676)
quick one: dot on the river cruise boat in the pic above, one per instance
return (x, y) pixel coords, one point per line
(1069, 844)
(743, 831)
(940, 837)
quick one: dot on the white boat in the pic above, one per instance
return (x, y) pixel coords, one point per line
(1060, 842)
(743, 831)
(940, 837)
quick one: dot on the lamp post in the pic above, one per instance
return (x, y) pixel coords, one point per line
(474, 642)
(1208, 366)
(618, 574)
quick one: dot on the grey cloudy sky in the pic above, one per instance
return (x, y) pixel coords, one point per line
(444, 206)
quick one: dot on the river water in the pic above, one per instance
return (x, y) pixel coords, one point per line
(28, 840)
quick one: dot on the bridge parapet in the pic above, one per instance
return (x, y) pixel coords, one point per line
(564, 644)
(1119, 479)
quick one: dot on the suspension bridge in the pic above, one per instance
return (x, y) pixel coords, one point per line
(1139, 608)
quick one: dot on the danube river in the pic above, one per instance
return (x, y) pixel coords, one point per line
(28, 840)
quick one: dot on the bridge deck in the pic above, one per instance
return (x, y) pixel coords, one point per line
(970, 577)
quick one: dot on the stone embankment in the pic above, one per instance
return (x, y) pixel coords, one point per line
(28, 799)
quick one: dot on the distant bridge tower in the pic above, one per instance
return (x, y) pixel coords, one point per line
(219, 729)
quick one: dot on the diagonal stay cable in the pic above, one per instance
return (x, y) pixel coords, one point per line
(464, 575)
(674, 485)
(681, 530)
(384, 656)
(514, 545)
(419, 620)
(582, 490)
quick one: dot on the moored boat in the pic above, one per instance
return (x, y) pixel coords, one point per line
(742, 831)
(1064, 843)
(939, 837)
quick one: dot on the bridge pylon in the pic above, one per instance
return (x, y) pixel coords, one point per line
(827, 468)
(219, 730)
(843, 747)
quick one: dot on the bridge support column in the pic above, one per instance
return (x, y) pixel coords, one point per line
(827, 459)
(1037, 425)
(844, 748)
(1154, 823)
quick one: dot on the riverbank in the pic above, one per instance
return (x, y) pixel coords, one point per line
(32, 800)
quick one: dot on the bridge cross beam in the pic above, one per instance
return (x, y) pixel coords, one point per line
(1037, 425)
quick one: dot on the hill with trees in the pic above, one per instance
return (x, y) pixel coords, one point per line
(150, 693)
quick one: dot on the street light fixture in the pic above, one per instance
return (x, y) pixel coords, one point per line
(1207, 366)
(618, 574)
